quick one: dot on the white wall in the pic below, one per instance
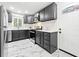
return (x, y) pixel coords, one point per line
(69, 23)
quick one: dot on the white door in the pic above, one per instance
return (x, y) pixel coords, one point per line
(69, 37)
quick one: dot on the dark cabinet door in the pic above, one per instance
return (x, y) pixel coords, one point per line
(25, 19)
(53, 42)
(42, 39)
(53, 13)
(27, 34)
(47, 36)
(55, 10)
(38, 38)
(47, 40)
(47, 13)
(42, 13)
(20, 34)
(46, 45)
(24, 34)
(53, 39)
(30, 19)
(15, 35)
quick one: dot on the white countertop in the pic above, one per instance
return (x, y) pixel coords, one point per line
(48, 30)
(29, 29)
(16, 29)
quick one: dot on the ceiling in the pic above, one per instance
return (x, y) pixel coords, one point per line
(29, 7)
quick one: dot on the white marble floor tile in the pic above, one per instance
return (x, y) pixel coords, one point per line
(26, 48)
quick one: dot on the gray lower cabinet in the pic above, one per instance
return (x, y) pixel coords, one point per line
(41, 37)
(20, 34)
(47, 45)
(38, 37)
(47, 40)
(15, 35)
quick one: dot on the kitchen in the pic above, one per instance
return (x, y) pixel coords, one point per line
(39, 32)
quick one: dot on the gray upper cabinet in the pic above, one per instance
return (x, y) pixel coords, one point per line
(53, 14)
(49, 13)
(25, 19)
(46, 14)
(9, 16)
(29, 19)
(42, 13)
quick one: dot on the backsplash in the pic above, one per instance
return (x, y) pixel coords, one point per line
(50, 25)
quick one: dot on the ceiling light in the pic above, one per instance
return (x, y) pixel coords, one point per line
(11, 7)
(26, 12)
(19, 11)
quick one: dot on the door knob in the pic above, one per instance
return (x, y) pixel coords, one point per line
(59, 30)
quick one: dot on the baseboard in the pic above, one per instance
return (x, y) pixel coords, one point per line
(67, 52)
